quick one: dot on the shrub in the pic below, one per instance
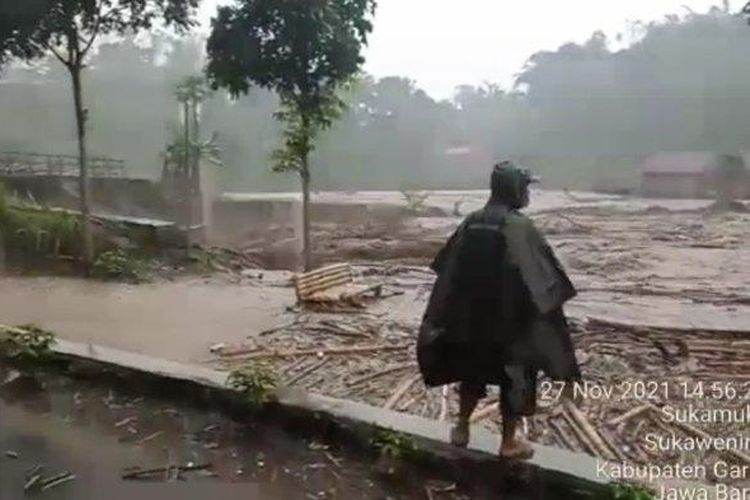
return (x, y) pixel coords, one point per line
(38, 232)
(395, 446)
(415, 200)
(117, 265)
(257, 383)
(26, 344)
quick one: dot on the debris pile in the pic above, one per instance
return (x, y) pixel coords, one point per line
(648, 368)
(354, 357)
(370, 359)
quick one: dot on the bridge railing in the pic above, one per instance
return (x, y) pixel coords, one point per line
(34, 164)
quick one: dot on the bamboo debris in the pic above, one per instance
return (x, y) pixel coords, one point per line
(140, 474)
(690, 429)
(150, 438)
(444, 404)
(403, 387)
(307, 371)
(628, 415)
(484, 413)
(406, 404)
(562, 435)
(380, 373)
(608, 353)
(286, 371)
(32, 481)
(583, 438)
(609, 440)
(58, 480)
(327, 352)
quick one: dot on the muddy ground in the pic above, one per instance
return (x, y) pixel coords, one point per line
(664, 295)
(673, 262)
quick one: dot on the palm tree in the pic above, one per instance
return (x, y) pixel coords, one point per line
(187, 150)
(191, 92)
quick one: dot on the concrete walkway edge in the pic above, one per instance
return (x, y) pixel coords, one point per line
(578, 470)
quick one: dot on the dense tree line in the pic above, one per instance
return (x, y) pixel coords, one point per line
(579, 110)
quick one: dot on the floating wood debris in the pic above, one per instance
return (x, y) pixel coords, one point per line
(369, 359)
(149, 473)
(332, 284)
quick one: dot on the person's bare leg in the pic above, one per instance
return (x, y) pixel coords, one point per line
(514, 447)
(460, 432)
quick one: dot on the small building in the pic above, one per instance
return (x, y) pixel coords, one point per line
(693, 175)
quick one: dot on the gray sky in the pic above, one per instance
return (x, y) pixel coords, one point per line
(445, 43)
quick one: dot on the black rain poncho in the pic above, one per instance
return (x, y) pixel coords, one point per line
(498, 298)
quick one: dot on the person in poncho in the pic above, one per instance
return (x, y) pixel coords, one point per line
(495, 314)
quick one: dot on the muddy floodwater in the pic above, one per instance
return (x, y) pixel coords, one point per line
(103, 438)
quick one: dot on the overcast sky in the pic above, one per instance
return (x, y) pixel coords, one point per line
(445, 43)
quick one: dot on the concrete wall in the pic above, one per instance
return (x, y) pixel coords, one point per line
(675, 186)
(132, 197)
(233, 220)
(692, 186)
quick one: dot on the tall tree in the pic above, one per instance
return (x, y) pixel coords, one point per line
(305, 52)
(191, 92)
(69, 29)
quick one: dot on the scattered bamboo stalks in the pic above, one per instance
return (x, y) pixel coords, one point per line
(444, 404)
(307, 371)
(425, 406)
(562, 435)
(646, 329)
(281, 328)
(314, 383)
(331, 351)
(150, 438)
(614, 422)
(380, 373)
(580, 435)
(139, 474)
(58, 480)
(126, 421)
(705, 435)
(32, 482)
(240, 351)
(331, 326)
(373, 374)
(34, 471)
(484, 413)
(609, 440)
(296, 364)
(586, 428)
(707, 350)
(406, 404)
(633, 435)
(402, 389)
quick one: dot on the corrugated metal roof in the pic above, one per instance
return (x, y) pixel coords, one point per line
(138, 221)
